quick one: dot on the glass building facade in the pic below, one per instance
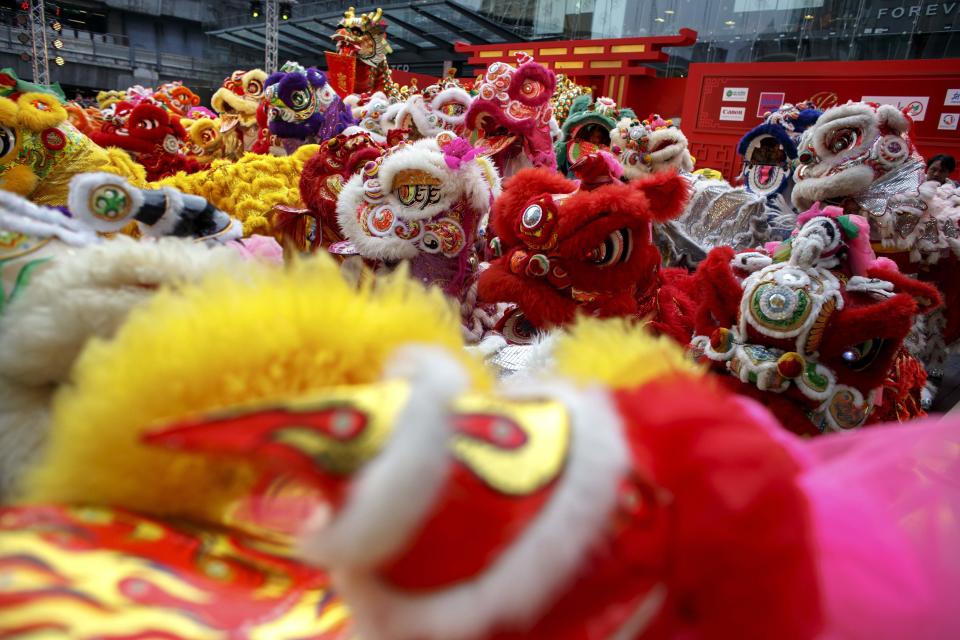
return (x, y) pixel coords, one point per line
(749, 30)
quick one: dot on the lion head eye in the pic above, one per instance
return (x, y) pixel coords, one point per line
(843, 139)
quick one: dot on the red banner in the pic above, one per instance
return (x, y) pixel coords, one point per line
(341, 73)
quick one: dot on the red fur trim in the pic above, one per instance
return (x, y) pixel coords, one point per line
(667, 193)
(541, 304)
(735, 509)
(177, 128)
(718, 292)
(127, 143)
(675, 308)
(926, 296)
(161, 165)
(314, 170)
(863, 318)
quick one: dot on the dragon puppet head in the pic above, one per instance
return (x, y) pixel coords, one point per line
(853, 152)
(237, 100)
(650, 146)
(322, 180)
(769, 150)
(422, 202)
(562, 249)
(177, 98)
(587, 129)
(511, 116)
(303, 105)
(814, 331)
(100, 204)
(363, 36)
(446, 105)
(107, 98)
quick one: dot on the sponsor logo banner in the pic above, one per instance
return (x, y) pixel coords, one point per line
(735, 94)
(948, 121)
(914, 106)
(733, 113)
(952, 99)
(769, 102)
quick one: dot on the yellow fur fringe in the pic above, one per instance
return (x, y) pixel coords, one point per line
(8, 112)
(18, 179)
(249, 188)
(619, 354)
(256, 335)
(120, 163)
(48, 112)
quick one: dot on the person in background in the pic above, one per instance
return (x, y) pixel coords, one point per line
(939, 168)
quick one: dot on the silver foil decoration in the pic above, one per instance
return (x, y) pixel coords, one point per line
(904, 179)
(719, 214)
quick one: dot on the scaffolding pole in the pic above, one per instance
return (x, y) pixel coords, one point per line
(272, 35)
(38, 32)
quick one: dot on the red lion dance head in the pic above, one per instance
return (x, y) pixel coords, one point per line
(815, 331)
(563, 249)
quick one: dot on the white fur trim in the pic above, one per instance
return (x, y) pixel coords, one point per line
(356, 129)
(82, 294)
(451, 94)
(20, 215)
(673, 156)
(848, 182)
(476, 182)
(526, 578)
(348, 203)
(388, 121)
(416, 109)
(423, 155)
(396, 489)
(78, 199)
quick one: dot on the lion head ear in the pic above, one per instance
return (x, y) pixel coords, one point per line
(580, 103)
(893, 118)
(39, 111)
(667, 193)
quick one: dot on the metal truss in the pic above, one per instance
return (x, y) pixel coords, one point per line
(38, 33)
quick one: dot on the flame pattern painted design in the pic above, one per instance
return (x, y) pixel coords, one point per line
(105, 573)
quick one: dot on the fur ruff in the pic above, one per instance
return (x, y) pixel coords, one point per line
(82, 295)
